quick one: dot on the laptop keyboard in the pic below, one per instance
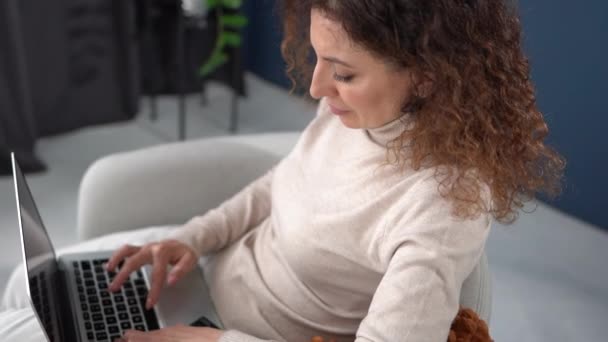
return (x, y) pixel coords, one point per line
(39, 292)
(108, 314)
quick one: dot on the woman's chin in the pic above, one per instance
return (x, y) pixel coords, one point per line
(350, 121)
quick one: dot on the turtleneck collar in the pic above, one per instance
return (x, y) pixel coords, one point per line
(383, 135)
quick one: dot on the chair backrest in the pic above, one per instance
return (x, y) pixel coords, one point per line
(476, 292)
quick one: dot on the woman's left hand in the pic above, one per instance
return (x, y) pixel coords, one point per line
(178, 333)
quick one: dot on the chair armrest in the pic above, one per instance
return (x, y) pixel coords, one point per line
(476, 292)
(166, 184)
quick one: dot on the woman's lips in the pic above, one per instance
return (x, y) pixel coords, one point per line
(338, 111)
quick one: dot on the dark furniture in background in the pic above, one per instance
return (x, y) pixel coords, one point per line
(173, 46)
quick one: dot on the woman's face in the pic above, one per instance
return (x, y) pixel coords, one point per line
(361, 89)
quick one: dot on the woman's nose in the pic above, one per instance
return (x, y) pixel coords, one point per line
(321, 85)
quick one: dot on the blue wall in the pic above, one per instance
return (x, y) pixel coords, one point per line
(263, 40)
(568, 47)
(567, 43)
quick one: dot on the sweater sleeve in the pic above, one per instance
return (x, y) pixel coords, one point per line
(225, 224)
(429, 253)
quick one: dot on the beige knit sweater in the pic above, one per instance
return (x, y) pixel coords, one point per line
(334, 242)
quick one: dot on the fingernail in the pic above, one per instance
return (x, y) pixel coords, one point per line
(148, 304)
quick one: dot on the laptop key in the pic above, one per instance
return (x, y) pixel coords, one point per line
(97, 317)
(108, 311)
(121, 307)
(90, 335)
(111, 320)
(123, 316)
(140, 327)
(100, 326)
(113, 329)
(100, 261)
(137, 319)
(101, 336)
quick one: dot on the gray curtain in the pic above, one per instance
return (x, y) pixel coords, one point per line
(17, 126)
(65, 64)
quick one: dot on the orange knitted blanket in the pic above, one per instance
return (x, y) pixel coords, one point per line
(466, 327)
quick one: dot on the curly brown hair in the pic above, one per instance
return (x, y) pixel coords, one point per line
(479, 124)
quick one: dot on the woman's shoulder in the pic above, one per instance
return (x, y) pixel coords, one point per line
(424, 194)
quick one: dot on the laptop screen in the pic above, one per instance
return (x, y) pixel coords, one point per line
(38, 252)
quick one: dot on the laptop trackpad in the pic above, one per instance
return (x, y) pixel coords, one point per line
(184, 302)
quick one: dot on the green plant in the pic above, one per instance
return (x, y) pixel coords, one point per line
(228, 33)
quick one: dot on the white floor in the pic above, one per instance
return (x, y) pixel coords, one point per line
(550, 278)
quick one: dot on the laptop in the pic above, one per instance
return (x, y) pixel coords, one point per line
(69, 293)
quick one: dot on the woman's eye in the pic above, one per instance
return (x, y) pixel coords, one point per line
(341, 78)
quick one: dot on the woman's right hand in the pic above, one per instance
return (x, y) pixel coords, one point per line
(160, 254)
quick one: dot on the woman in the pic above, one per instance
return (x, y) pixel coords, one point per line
(427, 129)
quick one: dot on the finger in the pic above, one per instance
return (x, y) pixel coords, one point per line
(133, 263)
(181, 268)
(159, 271)
(134, 336)
(120, 255)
